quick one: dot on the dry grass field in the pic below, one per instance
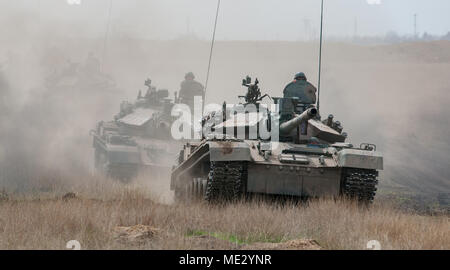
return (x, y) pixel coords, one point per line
(93, 217)
(395, 96)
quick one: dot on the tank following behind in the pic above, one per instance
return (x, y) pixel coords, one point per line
(310, 158)
(138, 138)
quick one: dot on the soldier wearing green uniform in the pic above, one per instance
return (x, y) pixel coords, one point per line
(190, 88)
(300, 88)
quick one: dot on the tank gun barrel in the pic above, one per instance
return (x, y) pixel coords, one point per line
(290, 125)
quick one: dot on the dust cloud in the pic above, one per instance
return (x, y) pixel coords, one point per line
(54, 87)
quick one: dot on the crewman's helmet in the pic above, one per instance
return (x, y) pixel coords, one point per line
(189, 76)
(300, 76)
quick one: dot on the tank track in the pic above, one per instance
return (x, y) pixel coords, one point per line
(226, 181)
(360, 184)
(194, 190)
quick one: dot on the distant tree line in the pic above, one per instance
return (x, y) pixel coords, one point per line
(391, 37)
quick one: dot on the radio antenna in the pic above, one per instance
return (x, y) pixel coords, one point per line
(105, 39)
(320, 56)
(212, 46)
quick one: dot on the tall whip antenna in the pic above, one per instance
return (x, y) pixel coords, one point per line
(212, 46)
(106, 33)
(320, 56)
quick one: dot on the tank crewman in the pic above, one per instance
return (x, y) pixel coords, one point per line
(302, 89)
(189, 89)
(151, 91)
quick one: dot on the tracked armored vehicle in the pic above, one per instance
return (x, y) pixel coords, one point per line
(303, 157)
(138, 138)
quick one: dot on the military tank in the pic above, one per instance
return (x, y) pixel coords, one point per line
(304, 157)
(138, 138)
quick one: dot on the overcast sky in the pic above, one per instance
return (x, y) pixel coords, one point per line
(239, 19)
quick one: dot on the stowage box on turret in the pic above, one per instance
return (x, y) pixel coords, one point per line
(307, 158)
(138, 137)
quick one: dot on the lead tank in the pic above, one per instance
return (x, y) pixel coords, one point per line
(308, 158)
(138, 138)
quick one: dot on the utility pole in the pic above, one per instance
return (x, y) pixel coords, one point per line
(415, 26)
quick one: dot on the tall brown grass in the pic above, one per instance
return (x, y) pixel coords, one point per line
(34, 222)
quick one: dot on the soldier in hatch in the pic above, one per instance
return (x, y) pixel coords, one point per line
(190, 88)
(300, 88)
(151, 91)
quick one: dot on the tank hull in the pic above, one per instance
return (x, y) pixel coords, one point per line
(227, 170)
(293, 180)
(125, 163)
